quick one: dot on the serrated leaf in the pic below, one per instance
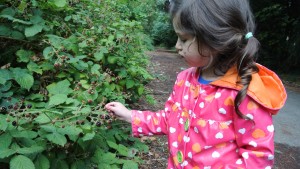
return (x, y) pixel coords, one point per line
(5, 75)
(57, 99)
(70, 130)
(112, 144)
(24, 55)
(23, 134)
(48, 52)
(5, 141)
(57, 138)
(17, 35)
(130, 165)
(33, 30)
(33, 67)
(42, 118)
(36, 19)
(61, 87)
(95, 69)
(60, 3)
(140, 90)
(68, 18)
(21, 162)
(30, 150)
(107, 157)
(6, 153)
(4, 31)
(129, 83)
(23, 78)
(88, 136)
(123, 150)
(8, 11)
(42, 162)
(3, 122)
(59, 164)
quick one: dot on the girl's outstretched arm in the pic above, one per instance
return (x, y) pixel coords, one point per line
(120, 110)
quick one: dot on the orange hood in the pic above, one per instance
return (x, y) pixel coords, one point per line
(266, 87)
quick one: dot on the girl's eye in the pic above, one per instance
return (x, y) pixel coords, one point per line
(182, 40)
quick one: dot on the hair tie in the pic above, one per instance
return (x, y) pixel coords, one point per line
(248, 35)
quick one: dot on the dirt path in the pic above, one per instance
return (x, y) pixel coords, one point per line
(165, 66)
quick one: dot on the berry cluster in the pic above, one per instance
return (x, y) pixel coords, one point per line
(17, 110)
(101, 120)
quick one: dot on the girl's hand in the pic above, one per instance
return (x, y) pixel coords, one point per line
(120, 110)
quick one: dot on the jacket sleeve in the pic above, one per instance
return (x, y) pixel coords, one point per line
(147, 123)
(255, 138)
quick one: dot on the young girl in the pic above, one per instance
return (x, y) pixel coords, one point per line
(219, 114)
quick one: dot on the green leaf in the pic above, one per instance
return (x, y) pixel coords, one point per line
(33, 67)
(24, 55)
(5, 141)
(8, 11)
(123, 150)
(102, 157)
(129, 83)
(112, 144)
(140, 90)
(59, 164)
(42, 118)
(5, 75)
(57, 138)
(57, 99)
(23, 134)
(100, 54)
(37, 19)
(23, 78)
(70, 130)
(112, 60)
(60, 3)
(61, 87)
(130, 165)
(3, 122)
(48, 52)
(6, 153)
(33, 30)
(68, 18)
(30, 150)
(21, 162)
(88, 136)
(42, 162)
(95, 69)
(17, 35)
(79, 164)
(4, 31)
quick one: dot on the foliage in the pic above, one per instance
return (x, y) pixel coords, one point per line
(278, 24)
(162, 30)
(62, 60)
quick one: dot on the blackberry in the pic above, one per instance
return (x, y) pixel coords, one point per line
(14, 123)
(3, 109)
(98, 124)
(29, 106)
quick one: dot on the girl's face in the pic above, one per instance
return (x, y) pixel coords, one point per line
(187, 47)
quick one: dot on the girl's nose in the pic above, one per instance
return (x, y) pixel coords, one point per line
(178, 46)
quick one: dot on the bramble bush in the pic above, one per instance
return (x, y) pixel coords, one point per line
(61, 62)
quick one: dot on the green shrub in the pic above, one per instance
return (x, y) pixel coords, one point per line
(62, 60)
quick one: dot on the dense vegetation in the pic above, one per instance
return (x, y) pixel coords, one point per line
(62, 60)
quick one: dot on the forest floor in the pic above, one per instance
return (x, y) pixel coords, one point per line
(165, 65)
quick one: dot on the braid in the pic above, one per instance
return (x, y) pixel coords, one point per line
(246, 68)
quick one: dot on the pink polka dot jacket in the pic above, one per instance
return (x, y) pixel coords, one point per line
(203, 129)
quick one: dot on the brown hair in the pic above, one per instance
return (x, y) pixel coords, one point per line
(221, 26)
